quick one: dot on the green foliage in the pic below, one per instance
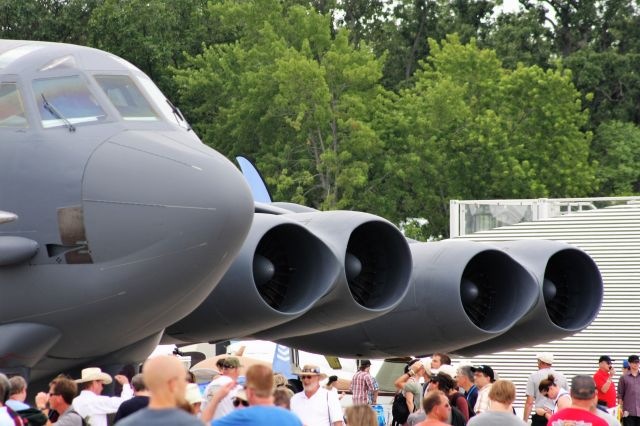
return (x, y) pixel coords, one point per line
(474, 130)
(617, 149)
(152, 34)
(521, 37)
(293, 97)
(610, 82)
(46, 20)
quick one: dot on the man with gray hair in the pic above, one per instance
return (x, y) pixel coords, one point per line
(465, 380)
(17, 396)
(7, 416)
(583, 400)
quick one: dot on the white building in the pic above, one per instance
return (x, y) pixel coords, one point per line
(608, 229)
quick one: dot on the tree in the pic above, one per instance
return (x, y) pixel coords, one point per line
(46, 20)
(295, 99)
(521, 37)
(609, 82)
(151, 34)
(471, 129)
(617, 149)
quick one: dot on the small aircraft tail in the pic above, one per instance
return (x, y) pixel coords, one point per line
(282, 361)
(255, 180)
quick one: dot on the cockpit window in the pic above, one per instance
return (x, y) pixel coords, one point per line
(11, 107)
(167, 109)
(64, 100)
(126, 97)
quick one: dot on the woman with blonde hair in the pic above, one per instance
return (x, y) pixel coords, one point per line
(361, 415)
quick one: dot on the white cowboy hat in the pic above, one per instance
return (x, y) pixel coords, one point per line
(93, 373)
(310, 370)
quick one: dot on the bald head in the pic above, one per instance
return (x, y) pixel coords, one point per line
(165, 378)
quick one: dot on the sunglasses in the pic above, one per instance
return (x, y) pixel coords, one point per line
(228, 367)
(238, 401)
(311, 370)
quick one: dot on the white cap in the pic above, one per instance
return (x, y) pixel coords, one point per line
(546, 357)
(450, 370)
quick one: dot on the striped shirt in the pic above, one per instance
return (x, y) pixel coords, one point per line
(361, 385)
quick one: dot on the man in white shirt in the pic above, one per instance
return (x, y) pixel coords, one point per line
(93, 406)
(230, 370)
(315, 405)
(5, 418)
(484, 378)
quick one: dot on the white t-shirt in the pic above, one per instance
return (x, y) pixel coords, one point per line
(225, 406)
(94, 408)
(5, 418)
(322, 409)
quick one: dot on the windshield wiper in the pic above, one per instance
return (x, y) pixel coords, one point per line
(54, 111)
(178, 114)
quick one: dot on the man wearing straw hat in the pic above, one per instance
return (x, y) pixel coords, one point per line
(315, 405)
(93, 406)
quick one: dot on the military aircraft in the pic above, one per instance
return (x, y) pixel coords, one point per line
(462, 297)
(119, 228)
(116, 219)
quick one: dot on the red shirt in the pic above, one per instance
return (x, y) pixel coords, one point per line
(609, 397)
(571, 415)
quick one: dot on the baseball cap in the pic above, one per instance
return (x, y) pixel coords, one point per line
(633, 358)
(606, 358)
(546, 357)
(583, 387)
(447, 369)
(365, 363)
(231, 362)
(486, 370)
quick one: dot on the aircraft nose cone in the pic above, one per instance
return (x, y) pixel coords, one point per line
(147, 196)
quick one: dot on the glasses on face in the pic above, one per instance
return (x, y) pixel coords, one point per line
(306, 377)
(237, 402)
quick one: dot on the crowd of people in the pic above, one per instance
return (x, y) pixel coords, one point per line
(472, 395)
(165, 393)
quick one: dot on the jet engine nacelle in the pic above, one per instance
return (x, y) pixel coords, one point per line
(376, 266)
(280, 272)
(460, 292)
(569, 296)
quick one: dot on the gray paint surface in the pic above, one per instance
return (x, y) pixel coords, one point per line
(133, 221)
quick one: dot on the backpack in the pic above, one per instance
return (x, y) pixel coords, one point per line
(32, 417)
(399, 409)
(457, 418)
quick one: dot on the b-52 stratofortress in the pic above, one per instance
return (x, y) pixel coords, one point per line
(119, 229)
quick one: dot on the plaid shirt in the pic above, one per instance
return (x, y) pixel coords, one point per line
(361, 384)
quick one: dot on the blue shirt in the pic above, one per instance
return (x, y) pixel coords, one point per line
(259, 415)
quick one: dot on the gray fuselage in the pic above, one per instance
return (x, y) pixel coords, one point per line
(126, 220)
